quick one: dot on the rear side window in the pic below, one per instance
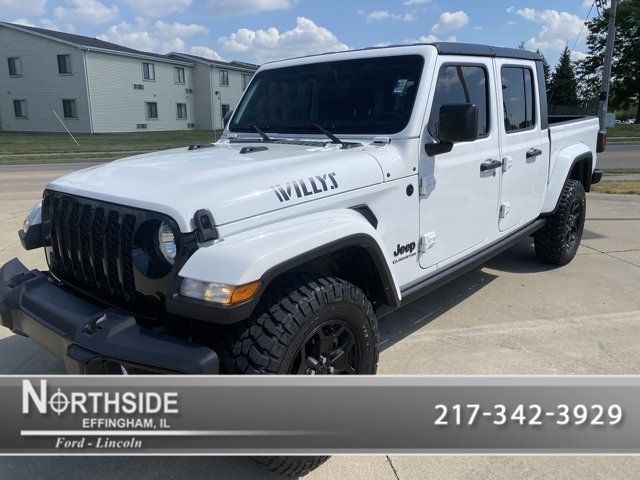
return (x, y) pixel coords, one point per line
(462, 84)
(517, 98)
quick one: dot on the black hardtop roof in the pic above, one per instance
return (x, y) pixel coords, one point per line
(450, 48)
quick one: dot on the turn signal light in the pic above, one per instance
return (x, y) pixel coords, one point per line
(219, 292)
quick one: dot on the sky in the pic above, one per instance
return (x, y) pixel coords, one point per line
(259, 31)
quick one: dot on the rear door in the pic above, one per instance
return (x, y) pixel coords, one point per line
(459, 201)
(524, 145)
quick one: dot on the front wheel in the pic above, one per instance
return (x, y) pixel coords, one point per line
(305, 325)
(558, 241)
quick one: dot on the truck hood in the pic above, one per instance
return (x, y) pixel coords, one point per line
(230, 184)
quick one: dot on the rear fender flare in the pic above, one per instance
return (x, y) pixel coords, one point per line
(566, 160)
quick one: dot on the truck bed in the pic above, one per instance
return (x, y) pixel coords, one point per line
(570, 130)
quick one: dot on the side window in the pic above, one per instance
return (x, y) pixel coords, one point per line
(64, 64)
(462, 84)
(517, 98)
(148, 71)
(224, 78)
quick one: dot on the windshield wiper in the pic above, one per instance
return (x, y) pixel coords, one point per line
(264, 136)
(331, 136)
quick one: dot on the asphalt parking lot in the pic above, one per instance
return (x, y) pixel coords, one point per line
(514, 316)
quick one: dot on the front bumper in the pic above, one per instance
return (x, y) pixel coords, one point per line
(90, 338)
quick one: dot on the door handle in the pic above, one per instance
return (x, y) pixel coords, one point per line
(533, 152)
(490, 165)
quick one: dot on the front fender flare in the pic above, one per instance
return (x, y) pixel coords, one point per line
(266, 252)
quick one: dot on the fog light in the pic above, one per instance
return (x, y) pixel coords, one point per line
(218, 292)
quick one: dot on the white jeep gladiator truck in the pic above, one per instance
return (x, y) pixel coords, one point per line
(344, 186)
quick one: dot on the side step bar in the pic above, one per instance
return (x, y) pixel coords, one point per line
(440, 278)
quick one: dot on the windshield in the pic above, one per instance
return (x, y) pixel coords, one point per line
(364, 96)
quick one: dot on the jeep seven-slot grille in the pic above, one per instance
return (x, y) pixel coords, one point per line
(92, 244)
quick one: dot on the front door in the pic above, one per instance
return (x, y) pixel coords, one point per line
(459, 200)
(525, 147)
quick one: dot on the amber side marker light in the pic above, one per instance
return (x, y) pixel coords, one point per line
(219, 292)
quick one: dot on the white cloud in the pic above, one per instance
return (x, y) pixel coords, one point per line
(23, 21)
(157, 37)
(158, 8)
(558, 28)
(85, 11)
(450, 21)
(379, 15)
(80, 12)
(577, 56)
(22, 7)
(265, 45)
(415, 2)
(431, 38)
(477, 27)
(206, 52)
(511, 9)
(229, 8)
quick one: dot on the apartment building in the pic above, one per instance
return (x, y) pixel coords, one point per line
(221, 84)
(48, 78)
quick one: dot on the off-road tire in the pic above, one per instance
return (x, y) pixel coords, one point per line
(558, 241)
(288, 312)
(291, 466)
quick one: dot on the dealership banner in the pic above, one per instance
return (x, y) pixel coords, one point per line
(64, 415)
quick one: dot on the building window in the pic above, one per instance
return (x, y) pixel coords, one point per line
(182, 110)
(138, 86)
(179, 74)
(462, 84)
(20, 108)
(64, 64)
(152, 110)
(245, 80)
(15, 68)
(517, 98)
(148, 71)
(225, 110)
(224, 78)
(69, 109)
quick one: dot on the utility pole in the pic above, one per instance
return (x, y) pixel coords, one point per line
(608, 59)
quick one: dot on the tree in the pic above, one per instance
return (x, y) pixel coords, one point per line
(563, 86)
(545, 67)
(625, 71)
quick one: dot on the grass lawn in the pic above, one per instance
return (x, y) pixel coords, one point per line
(617, 186)
(47, 147)
(621, 131)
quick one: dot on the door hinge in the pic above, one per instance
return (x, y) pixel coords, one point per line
(505, 208)
(427, 185)
(426, 242)
(507, 162)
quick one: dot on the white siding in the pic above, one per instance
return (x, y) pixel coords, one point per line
(40, 84)
(229, 95)
(117, 107)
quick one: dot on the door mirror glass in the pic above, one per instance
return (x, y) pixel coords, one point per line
(458, 123)
(227, 117)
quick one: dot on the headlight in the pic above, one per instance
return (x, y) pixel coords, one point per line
(167, 242)
(34, 217)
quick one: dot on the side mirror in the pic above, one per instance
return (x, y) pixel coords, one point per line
(456, 123)
(227, 117)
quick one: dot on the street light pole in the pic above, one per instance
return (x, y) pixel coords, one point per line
(608, 59)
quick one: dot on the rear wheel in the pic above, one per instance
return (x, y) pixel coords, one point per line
(558, 241)
(305, 325)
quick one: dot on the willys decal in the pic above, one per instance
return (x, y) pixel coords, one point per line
(305, 187)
